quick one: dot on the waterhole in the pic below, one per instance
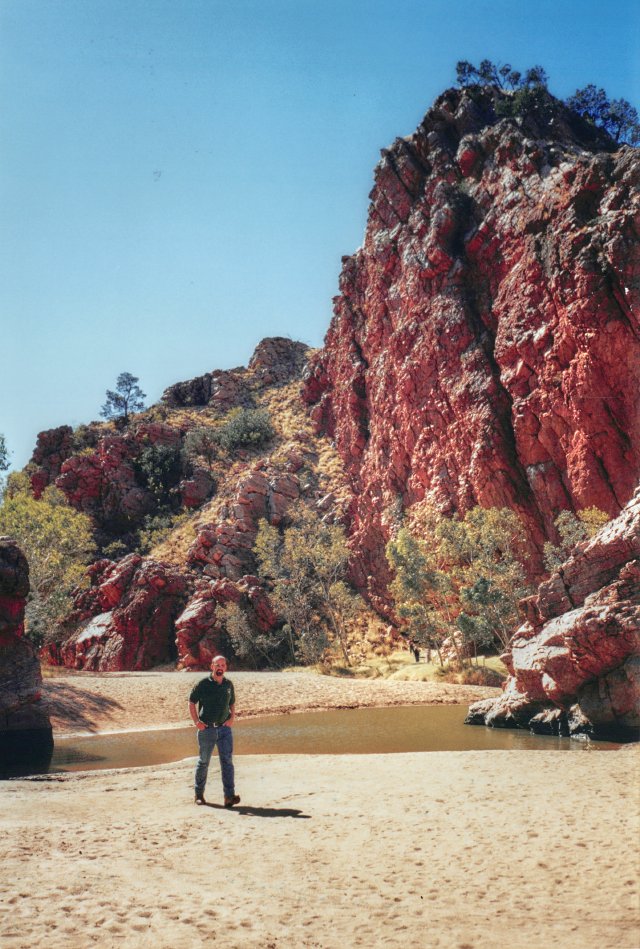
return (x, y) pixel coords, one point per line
(344, 731)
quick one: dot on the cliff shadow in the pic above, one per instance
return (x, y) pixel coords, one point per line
(71, 706)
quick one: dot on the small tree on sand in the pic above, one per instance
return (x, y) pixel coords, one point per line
(248, 642)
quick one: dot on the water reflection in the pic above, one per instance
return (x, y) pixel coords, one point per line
(350, 731)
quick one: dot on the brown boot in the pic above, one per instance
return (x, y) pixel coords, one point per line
(230, 801)
(199, 798)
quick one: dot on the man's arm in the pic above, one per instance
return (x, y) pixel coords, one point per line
(232, 716)
(195, 718)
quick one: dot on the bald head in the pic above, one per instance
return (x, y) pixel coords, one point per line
(218, 667)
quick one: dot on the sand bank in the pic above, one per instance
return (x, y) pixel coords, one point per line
(121, 701)
(525, 850)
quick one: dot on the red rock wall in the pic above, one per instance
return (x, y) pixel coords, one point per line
(485, 346)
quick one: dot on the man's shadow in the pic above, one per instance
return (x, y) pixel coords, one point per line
(262, 811)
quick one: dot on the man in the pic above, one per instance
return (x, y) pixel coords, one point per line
(212, 708)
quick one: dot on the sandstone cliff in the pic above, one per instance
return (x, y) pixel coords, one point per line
(485, 345)
(26, 741)
(575, 662)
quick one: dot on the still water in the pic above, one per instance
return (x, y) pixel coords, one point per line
(344, 731)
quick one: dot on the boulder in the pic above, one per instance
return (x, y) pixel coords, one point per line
(195, 490)
(277, 360)
(26, 738)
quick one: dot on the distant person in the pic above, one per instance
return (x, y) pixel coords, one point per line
(212, 708)
(414, 649)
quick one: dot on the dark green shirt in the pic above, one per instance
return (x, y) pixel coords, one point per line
(213, 700)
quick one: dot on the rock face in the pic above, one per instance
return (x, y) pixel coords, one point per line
(575, 662)
(53, 448)
(26, 741)
(485, 346)
(126, 620)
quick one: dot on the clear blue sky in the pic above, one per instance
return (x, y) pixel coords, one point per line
(180, 178)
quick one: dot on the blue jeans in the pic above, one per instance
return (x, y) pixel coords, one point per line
(208, 738)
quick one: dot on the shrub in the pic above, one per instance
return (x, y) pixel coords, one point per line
(245, 428)
(201, 442)
(160, 468)
(248, 642)
(157, 528)
(115, 550)
(4, 454)
(85, 437)
(533, 101)
(572, 529)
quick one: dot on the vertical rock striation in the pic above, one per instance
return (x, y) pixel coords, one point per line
(485, 345)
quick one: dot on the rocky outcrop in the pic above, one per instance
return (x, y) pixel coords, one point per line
(26, 741)
(575, 663)
(126, 620)
(104, 483)
(485, 346)
(199, 634)
(225, 549)
(103, 480)
(224, 389)
(53, 447)
(137, 611)
(275, 361)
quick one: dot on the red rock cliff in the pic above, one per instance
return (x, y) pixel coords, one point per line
(485, 344)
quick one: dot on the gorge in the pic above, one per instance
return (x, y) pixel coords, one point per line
(484, 350)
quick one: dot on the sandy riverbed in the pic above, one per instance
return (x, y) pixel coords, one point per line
(137, 700)
(524, 850)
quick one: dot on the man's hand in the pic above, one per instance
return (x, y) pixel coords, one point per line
(200, 725)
